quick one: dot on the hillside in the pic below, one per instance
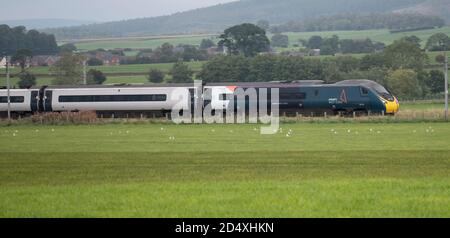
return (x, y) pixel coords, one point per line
(45, 23)
(216, 18)
(431, 7)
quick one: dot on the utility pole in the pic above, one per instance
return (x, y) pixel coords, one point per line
(84, 72)
(446, 85)
(8, 89)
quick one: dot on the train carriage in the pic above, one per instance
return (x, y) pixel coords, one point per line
(301, 97)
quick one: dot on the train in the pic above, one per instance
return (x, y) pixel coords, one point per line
(301, 97)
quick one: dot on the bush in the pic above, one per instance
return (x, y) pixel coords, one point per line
(404, 84)
(279, 40)
(27, 80)
(96, 77)
(181, 73)
(94, 62)
(156, 76)
(56, 118)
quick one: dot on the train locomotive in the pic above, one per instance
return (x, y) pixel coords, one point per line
(301, 97)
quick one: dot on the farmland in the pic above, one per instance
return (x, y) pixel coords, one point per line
(116, 74)
(322, 170)
(382, 35)
(140, 42)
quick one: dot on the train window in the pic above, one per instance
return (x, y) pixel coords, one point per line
(285, 96)
(292, 96)
(13, 99)
(114, 98)
(300, 96)
(364, 91)
(224, 97)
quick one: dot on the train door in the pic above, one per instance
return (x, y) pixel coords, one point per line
(48, 101)
(34, 101)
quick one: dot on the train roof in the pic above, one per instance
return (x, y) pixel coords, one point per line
(274, 84)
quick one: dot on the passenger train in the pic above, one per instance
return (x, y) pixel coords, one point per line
(301, 97)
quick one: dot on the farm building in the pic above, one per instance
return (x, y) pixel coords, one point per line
(44, 60)
(2, 62)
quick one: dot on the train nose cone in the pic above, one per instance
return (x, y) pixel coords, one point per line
(392, 107)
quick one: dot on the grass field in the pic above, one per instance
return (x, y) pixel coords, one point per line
(141, 43)
(125, 170)
(116, 74)
(382, 35)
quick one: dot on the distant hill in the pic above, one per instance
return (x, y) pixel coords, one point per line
(45, 23)
(216, 18)
(431, 7)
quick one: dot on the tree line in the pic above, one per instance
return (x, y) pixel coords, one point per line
(18, 38)
(341, 22)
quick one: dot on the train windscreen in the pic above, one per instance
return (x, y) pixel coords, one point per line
(383, 92)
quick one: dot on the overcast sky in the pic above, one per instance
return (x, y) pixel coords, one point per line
(96, 10)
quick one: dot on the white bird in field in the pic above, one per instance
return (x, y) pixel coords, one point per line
(14, 134)
(53, 130)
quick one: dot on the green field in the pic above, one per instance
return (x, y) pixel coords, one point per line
(423, 105)
(135, 73)
(125, 170)
(382, 35)
(118, 69)
(141, 43)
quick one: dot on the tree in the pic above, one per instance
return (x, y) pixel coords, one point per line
(68, 70)
(404, 54)
(404, 84)
(330, 46)
(412, 39)
(17, 38)
(226, 68)
(156, 76)
(181, 73)
(376, 60)
(94, 62)
(22, 56)
(246, 39)
(27, 80)
(440, 59)
(438, 42)
(207, 43)
(95, 77)
(436, 81)
(263, 24)
(315, 42)
(67, 48)
(279, 40)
